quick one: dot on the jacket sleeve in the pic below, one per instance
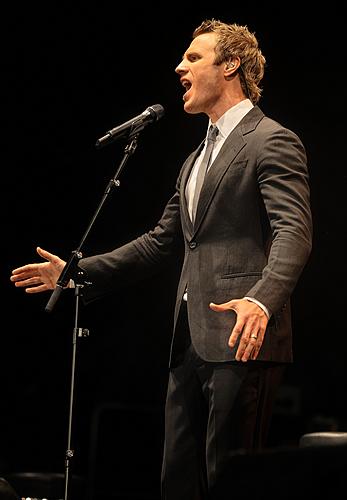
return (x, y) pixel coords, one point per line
(137, 259)
(284, 186)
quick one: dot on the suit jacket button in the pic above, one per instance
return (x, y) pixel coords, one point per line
(192, 245)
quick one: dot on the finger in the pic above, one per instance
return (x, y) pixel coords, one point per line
(258, 343)
(28, 268)
(248, 339)
(37, 289)
(24, 272)
(218, 307)
(48, 256)
(226, 306)
(245, 327)
(22, 283)
(251, 343)
(255, 352)
(237, 331)
(32, 280)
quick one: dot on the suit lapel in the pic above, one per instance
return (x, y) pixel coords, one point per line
(234, 143)
(187, 223)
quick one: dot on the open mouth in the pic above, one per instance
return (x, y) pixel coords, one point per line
(187, 86)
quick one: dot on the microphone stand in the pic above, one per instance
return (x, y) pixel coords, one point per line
(71, 271)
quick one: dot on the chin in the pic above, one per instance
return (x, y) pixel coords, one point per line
(189, 108)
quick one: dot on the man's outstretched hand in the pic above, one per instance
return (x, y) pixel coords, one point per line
(39, 277)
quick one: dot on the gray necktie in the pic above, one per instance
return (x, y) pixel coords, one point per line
(211, 139)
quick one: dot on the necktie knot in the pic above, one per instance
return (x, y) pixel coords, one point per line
(212, 133)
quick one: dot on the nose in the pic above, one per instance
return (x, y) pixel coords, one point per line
(180, 69)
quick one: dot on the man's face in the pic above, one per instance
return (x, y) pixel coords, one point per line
(202, 79)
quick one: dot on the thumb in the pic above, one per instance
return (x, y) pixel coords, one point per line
(226, 306)
(44, 254)
(54, 259)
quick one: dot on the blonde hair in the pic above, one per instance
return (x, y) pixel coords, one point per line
(233, 41)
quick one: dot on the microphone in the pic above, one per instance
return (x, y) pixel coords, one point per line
(133, 126)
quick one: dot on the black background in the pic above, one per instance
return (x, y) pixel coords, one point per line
(71, 73)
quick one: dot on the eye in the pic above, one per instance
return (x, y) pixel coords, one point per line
(193, 57)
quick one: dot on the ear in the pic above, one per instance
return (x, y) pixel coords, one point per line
(230, 67)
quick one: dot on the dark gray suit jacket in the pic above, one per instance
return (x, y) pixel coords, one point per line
(252, 237)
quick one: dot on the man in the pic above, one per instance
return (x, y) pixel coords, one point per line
(242, 208)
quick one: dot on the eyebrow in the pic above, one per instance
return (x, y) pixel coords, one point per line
(188, 53)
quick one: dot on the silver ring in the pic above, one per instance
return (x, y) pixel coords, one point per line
(254, 337)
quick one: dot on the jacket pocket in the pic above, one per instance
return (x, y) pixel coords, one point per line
(240, 275)
(238, 284)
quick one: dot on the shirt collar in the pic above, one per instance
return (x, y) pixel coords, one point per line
(227, 122)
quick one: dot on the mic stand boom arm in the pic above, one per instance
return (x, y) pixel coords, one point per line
(71, 270)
